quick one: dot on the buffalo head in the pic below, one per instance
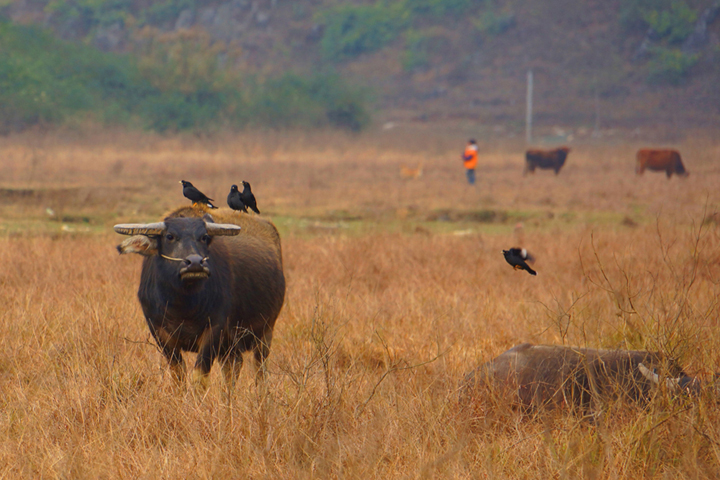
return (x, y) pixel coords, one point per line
(182, 243)
(682, 384)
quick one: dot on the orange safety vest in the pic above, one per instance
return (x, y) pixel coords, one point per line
(470, 157)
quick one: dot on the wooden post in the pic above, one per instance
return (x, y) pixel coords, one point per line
(528, 113)
(596, 130)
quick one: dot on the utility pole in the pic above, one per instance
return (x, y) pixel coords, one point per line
(596, 130)
(528, 113)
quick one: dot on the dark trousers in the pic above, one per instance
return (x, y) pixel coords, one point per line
(470, 172)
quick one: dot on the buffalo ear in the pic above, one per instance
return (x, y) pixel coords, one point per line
(141, 244)
(207, 218)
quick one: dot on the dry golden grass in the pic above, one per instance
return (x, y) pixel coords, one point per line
(395, 290)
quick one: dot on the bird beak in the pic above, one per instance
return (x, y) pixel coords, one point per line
(180, 181)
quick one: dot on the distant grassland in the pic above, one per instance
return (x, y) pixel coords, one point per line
(396, 289)
(346, 179)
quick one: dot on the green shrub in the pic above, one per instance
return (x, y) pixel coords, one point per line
(199, 110)
(672, 20)
(90, 13)
(674, 24)
(439, 7)
(351, 30)
(94, 13)
(344, 106)
(44, 80)
(176, 87)
(323, 99)
(494, 23)
(632, 13)
(669, 66)
(415, 55)
(160, 12)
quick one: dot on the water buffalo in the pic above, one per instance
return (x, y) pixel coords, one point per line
(545, 159)
(211, 288)
(660, 160)
(549, 376)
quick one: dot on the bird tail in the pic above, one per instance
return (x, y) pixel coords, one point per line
(531, 271)
(255, 210)
(211, 205)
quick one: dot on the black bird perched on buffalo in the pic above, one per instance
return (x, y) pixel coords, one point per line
(234, 200)
(518, 258)
(195, 195)
(248, 198)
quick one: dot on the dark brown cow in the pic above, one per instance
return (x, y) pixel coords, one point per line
(660, 160)
(549, 376)
(545, 159)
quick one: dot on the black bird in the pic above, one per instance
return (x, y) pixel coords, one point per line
(192, 193)
(248, 198)
(518, 258)
(234, 200)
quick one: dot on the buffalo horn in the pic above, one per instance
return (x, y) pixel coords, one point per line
(215, 229)
(671, 383)
(140, 228)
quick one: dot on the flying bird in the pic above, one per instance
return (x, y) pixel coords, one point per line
(195, 195)
(248, 198)
(234, 200)
(518, 258)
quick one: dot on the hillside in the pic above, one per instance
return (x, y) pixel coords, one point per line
(440, 61)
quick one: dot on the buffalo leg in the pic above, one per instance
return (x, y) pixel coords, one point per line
(231, 366)
(262, 351)
(208, 345)
(176, 363)
(168, 346)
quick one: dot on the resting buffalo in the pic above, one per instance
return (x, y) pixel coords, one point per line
(660, 160)
(211, 288)
(545, 159)
(548, 376)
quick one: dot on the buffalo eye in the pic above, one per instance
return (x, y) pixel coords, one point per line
(170, 237)
(205, 238)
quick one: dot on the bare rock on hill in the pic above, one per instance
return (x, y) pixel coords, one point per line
(262, 19)
(230, 20)
(643, 51)
(110, 38)
(185, 20)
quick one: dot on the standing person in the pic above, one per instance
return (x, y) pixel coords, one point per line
(470, 157)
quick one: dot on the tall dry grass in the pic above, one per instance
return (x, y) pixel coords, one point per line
(380, 322)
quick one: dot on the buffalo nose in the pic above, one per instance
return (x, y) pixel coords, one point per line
(193, 262)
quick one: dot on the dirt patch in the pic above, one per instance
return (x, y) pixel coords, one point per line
(472, 216)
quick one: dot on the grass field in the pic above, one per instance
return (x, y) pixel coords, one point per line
(396, 289)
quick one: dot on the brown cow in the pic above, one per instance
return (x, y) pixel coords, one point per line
(549, 376)
(660, 160)
(545, 159)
